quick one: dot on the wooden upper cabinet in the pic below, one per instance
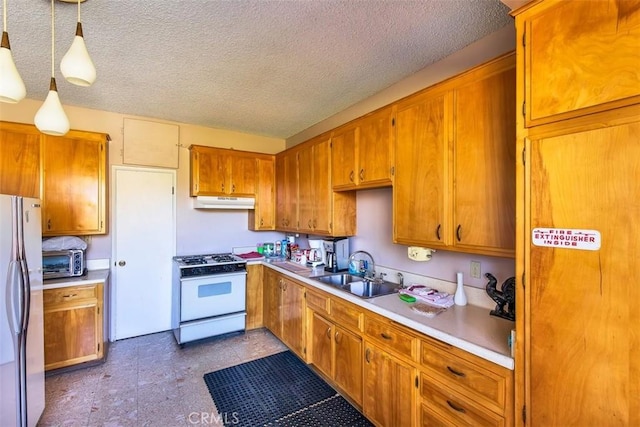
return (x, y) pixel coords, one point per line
(263, 217)
(286, 191)
(362, 152)
(421, 190)
(74, 184)
(344, 170)
(580, 57)
(455, 175)
(314, 186)
(484, 162)
(375, 149)
(19, 160)
(222, 172)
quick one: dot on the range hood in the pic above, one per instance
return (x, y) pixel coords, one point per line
(223, 202)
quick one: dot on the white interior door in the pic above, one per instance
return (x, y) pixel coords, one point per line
(144, 244)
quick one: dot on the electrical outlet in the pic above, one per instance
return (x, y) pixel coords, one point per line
(475, 269)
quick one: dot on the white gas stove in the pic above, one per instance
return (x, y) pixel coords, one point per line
(209, 296)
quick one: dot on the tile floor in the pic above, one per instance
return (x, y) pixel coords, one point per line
(150, 381)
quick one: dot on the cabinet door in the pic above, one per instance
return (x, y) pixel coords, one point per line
(343, 159)
(286, 192)
(19, 160)
(322, 192)
(321, 344)
(255, 296)
(583, 318)
(74, 184)
(208, 171)
(375, 149)
(348, 363)
(388, 389)
(72, 325)
(263, 217)
(306, 186)
(484, 165)
(580, 55)
(244, 172)
(272, 302)
(420, 190)
(293, 316)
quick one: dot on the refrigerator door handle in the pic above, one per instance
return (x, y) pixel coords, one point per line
(15, 298)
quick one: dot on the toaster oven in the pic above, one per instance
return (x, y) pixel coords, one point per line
(66, 263)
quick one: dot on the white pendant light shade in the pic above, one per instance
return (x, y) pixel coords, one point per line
(51, 118)
(76, 65)
(12, 88)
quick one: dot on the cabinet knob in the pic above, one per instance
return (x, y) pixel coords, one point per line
(367, 355)
(329, 332)
(351, 176)
(458, 232)
(438, 231)
(122, 263)
(49, 224)
(361, 174)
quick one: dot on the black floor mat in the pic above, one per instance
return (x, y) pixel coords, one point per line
(279, 390)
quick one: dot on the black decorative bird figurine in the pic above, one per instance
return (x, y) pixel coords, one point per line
(505, 297)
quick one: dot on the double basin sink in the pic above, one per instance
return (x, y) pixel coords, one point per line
(364, 288)
(356, 285)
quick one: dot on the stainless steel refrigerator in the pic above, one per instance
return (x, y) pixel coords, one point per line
(21, 313)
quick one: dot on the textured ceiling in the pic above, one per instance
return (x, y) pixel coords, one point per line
(264, 67)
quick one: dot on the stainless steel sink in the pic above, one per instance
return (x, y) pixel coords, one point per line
(356, 285)
(339, 279)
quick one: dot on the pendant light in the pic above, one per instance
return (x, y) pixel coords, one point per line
(76, 65)
(51, 118)
(12, 88)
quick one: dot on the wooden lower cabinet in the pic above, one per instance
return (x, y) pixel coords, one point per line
(73, 325)
(254, 297)
(337, 353)
(389, 385)
(284, 310)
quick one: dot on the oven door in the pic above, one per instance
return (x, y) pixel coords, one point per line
(215, 295)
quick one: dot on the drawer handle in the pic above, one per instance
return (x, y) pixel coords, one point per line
(367, 355)
(385, 336)
(329, 332)
(351, 176)
(336, 337)
(456, 373)
(456, 407)
(70, 296)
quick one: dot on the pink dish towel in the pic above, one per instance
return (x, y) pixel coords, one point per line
(428, 295)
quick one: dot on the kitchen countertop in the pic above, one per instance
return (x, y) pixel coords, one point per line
(90, 278)
(470, 328)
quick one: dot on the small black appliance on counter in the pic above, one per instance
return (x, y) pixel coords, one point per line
(336, 253)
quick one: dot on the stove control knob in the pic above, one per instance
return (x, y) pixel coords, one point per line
(122, 263)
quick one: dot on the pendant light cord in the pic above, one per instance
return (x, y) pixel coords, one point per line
(53, 39)
(4, 15)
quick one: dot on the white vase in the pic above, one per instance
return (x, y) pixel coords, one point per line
(460, 298)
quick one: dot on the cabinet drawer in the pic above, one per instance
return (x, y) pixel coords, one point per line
(318, 302)
(394, 338)
(72, 293)
(346, 315)
(486, 386)
(443, 407)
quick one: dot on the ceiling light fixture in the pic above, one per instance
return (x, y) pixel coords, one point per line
(12, 87)
(76, 65)
(51, 118)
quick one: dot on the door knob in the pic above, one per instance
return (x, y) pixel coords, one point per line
(122, 263)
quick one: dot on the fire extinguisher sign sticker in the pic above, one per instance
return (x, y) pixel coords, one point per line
(567, 238)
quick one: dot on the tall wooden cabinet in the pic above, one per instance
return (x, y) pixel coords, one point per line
(74, 189)
(287, 191)
(577, 244)
(19, 160)
(455, 163)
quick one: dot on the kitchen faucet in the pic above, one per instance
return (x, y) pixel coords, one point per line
(370, 270)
